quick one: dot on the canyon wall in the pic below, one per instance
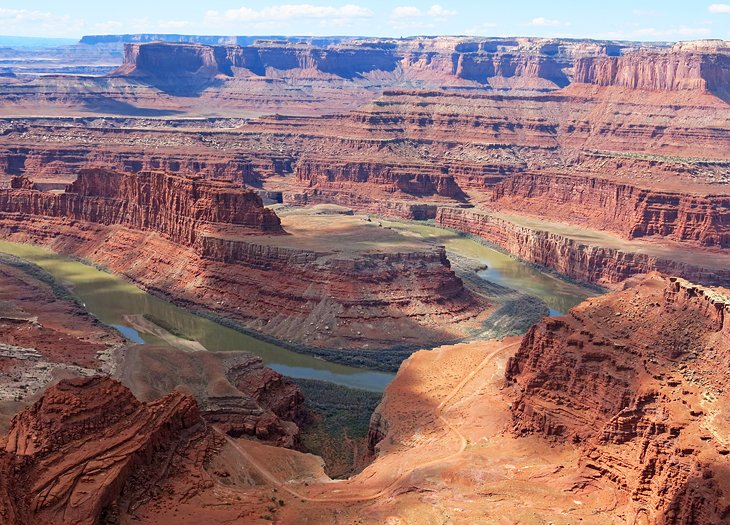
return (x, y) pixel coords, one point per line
(452, 60)
(585, 261)
(93, 421)
(377, 177)
(177, 207)
(675, 70)
(44, 161)
(519, 64)
(400, 209)
(622, 208)
(212, 244)
(636, 380)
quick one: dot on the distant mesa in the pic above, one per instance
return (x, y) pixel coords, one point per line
(522, 63)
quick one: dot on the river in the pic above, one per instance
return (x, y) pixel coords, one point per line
(558, 294)
(110, 298)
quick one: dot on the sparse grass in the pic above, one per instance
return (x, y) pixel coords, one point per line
(338, 433)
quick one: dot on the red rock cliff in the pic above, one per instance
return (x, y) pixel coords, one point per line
(87, 443)
(657, 71)
(581, 260)
(622, 208)
(637, 379)
(216, 256)
(179, 208)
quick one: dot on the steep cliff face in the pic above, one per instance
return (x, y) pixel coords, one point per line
(636, 380)
(160, 59)
(95, 421)
(673, 70)
(378, 178)
(531, 64)
(223, 250)
(622, 208)
(521, 64)
(587, 261)
(248, 399)
(177, 207)
(43, 161)
(402, 209)
(497, 69)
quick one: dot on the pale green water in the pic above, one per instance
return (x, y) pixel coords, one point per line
(559, 295)
(110, 298)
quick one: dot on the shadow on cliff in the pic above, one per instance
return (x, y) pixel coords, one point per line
(185, 87)
(101, 104)
(385, 350)
(701, 500)
(722, 94)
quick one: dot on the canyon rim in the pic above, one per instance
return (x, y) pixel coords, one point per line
(364, 279)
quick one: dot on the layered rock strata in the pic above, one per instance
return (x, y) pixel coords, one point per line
(677, 69)
(622, 208)
(637, 381)
(88, 444)
(499, 63)
(179, 208)
(215, 245)
(584, 259)
(44, 335)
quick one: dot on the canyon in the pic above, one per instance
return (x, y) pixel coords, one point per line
(649, 418)
(632, 403)
(642, 160)
(213, 244)
(335, 196)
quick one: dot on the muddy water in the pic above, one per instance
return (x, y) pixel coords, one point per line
(110, 298)
(115, 301)
(559, 295)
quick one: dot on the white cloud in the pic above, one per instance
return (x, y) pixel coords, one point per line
(173, 24)
(541, 21)
(409, 17)
(26, 21)
(438, 11)
(24, 15)
(406, 11)
(719, 8)
(10, 16)
(287, 12)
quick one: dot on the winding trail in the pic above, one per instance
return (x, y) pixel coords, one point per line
(269, 476)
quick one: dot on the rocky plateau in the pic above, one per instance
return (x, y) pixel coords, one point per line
(261, 182)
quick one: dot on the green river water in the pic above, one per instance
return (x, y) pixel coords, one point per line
(110, 298)
(559, 295)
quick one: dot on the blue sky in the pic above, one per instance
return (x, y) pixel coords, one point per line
(616, 19)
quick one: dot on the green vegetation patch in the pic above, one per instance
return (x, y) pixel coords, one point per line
(339, 429)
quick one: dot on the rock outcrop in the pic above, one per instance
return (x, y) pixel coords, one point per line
(588, 259)
(637, 380)
(678, 69)
(378, 177)
(223, 250)
(87, 444)
(622, 208)
(44, 335)
(179, 208)
(499, 63)
(234, 391)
